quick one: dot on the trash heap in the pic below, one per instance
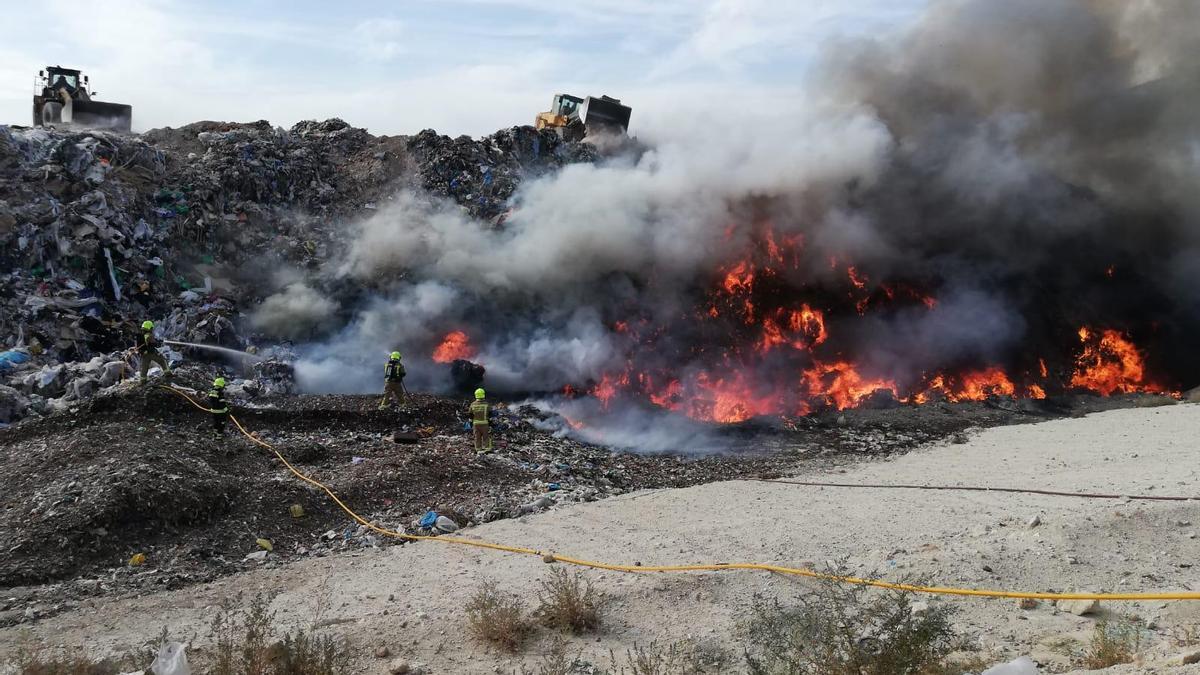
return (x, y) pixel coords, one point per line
(100, 231)
(482, 175)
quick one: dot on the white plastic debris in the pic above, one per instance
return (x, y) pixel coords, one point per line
(171, 660)
(1021, 666)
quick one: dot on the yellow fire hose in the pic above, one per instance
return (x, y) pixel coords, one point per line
(712, 567)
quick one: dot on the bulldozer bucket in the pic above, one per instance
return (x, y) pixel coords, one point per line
(605, 112)
(100, 115)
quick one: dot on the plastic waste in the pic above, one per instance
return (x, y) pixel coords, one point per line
(429, 520)
(171, 660)
(1021, 666)
(11, 358)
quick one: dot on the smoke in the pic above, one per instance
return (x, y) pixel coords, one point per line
(950, 197)
(296, 312)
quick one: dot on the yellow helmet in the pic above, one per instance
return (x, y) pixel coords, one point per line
(219, 383)
(147, 325)
(479, 393)
(395, 356)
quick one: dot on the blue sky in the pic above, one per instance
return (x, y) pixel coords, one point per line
(460, 66)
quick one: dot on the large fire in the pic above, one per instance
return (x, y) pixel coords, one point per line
(769, 348)
(456, 345)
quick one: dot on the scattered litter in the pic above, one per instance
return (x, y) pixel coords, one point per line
(171, 660)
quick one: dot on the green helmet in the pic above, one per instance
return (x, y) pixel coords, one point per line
(147, 325)
(395, 356)
(479, 393)
(219, 383)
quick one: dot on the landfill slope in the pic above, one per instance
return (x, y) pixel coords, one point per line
(100, 231)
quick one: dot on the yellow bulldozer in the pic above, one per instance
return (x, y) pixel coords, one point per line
(574, 117)
(63, 96)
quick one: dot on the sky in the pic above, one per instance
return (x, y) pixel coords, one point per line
(458, 66)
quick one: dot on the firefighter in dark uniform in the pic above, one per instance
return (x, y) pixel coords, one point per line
(218, 406)
(147, 349)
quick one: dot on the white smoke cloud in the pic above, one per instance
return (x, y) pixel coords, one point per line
(296, 312)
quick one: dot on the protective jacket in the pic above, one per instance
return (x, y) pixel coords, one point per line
(148, 344)
(216, 401)
(480, 411)
(393, 371)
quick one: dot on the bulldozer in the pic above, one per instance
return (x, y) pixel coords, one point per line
(63, 96)
(574, 117)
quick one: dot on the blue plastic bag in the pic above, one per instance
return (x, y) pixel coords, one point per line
(10, 359)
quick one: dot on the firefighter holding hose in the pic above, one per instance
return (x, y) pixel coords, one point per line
(147, 349)
(393, 382)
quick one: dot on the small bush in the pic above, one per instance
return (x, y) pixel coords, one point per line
(1113, 643)
(849, 630)
(497, 618)
(569, 602)
(34, 658)
(44, 663)
(244, 646)
(1185, 636)
(556, 661)
(676, 658)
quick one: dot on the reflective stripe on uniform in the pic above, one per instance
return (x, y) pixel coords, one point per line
(479, 413)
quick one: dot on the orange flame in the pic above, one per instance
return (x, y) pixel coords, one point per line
(729, 401)
(740, 278)
(859, 281)
(1108, 364)
(809, 322)
(454, 346)
(980, 384)
(841, 382)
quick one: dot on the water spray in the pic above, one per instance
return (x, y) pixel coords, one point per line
(215, 348)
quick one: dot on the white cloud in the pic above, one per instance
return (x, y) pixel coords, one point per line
(177, 63)
(380, 39)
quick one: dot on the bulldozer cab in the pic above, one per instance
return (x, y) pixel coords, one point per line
(566, 105)
(62, 78)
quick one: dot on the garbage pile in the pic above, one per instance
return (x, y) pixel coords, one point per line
(100, 231)
(244, 191)
(482, 175)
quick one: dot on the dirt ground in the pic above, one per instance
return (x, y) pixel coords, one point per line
(410, 597)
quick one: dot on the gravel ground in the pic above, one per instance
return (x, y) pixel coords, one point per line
(410, 597)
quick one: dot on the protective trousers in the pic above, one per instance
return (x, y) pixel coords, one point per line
(218, 423)
(483, 437)
(392, 389)
(146, 358)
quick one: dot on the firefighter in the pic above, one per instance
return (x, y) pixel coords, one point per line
(147, 349)
(393, 381)
(218, 406)
(480, 414)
